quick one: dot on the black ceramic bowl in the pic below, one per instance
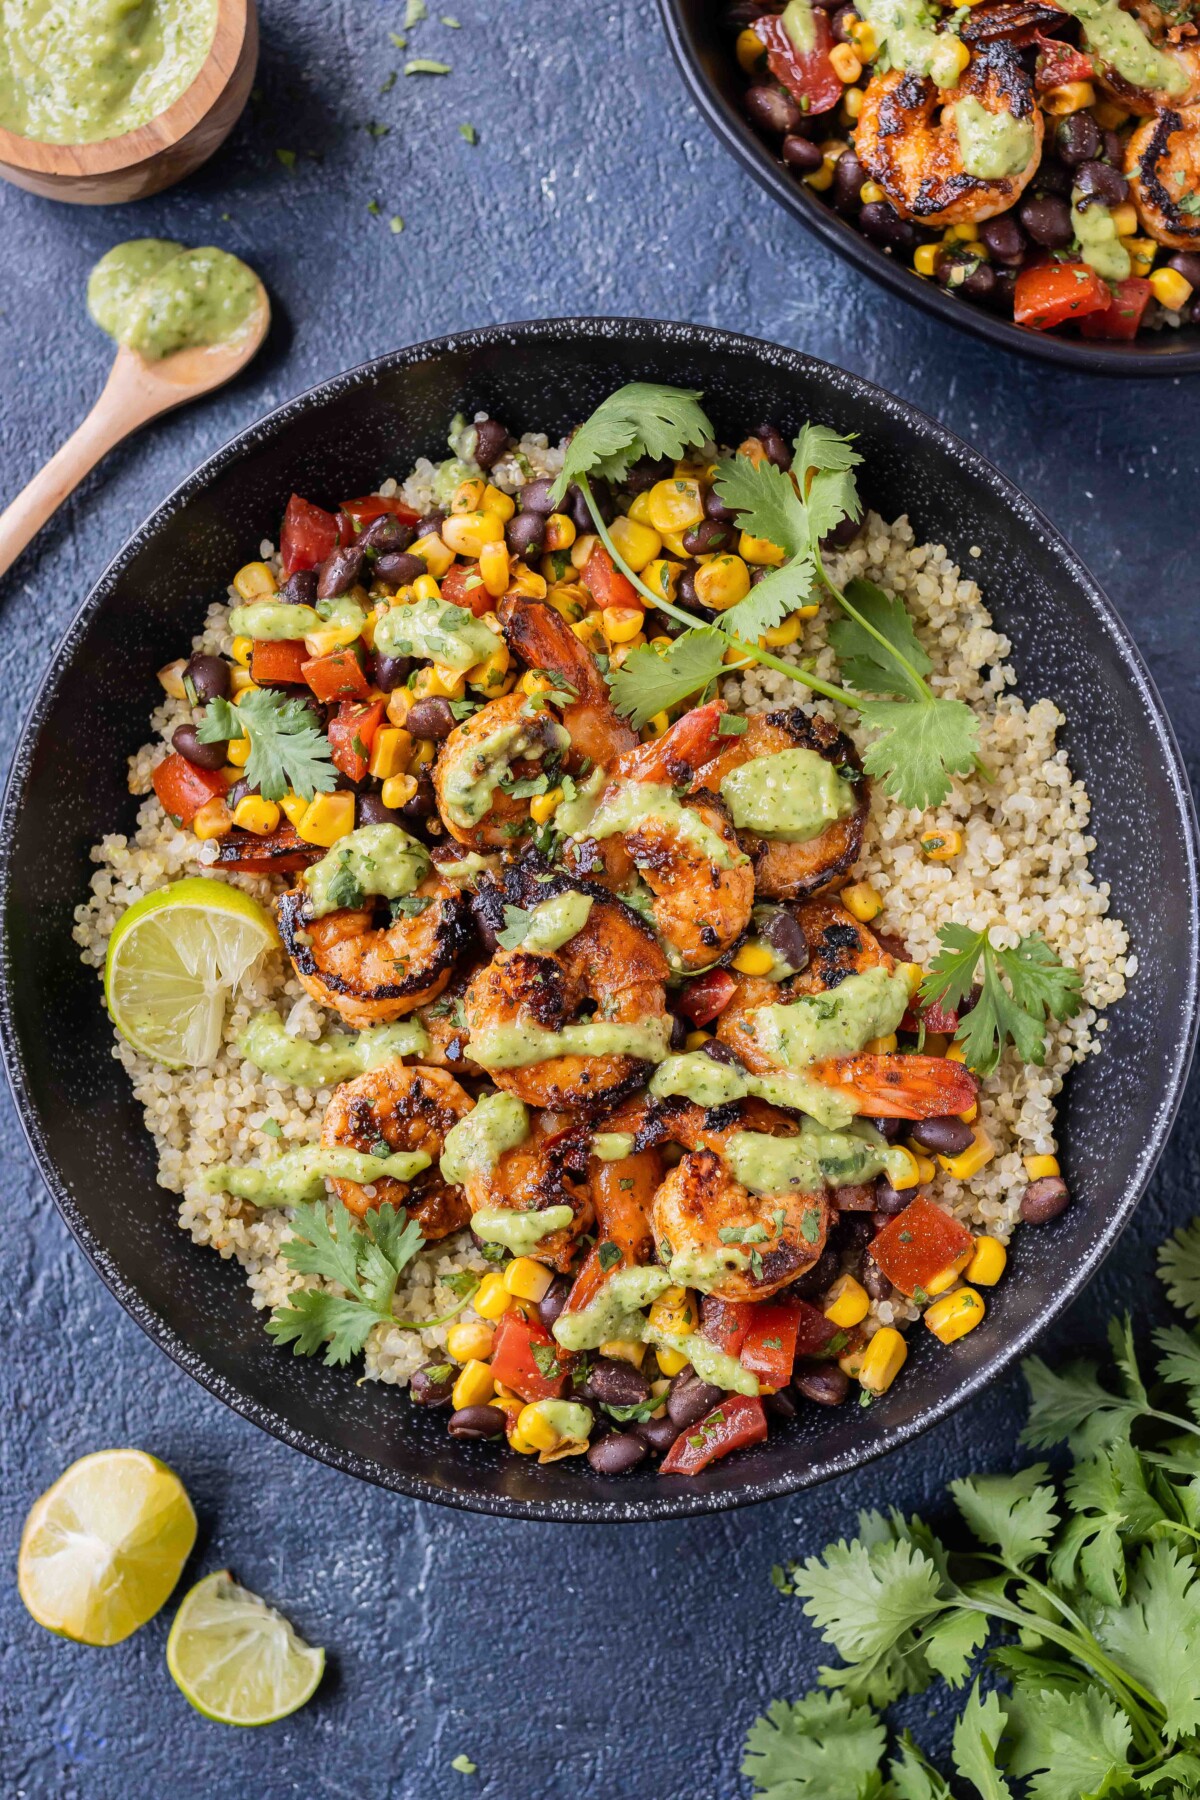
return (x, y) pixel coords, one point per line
(68, 788)
(703, 48)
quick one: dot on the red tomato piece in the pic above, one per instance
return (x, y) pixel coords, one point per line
(725, 1322)
(307, 536)
(769, 1348)
(814, 1332)
(1055, 293)
(739, 1420)
(515, 1364)
(352, 733)
(942, 1019)
(918, 1244)
(605, 582)
(808, 75)
(279, 664)
(1122, 320)
(338, 676)
(708, 995)
(373, 506)
(462, 585)
(184, 789)
(1059, 63)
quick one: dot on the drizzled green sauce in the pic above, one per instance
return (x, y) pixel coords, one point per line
(301, 1174)
(520, 1046)
(615, 1312)
(519, 1232)
(473, 1147)
(376, 859)
(436, 630)
(337, 1056)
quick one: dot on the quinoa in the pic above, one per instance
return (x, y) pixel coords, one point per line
(1023, 868)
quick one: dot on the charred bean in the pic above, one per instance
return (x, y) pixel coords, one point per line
(399, 567)
(554, 1299)
(707, 538)
(1004, 238)
(371, 811)
(775, 445)
(785, 934)
(387, 532)
(525, 534)
(889, 1199)
(391, 672)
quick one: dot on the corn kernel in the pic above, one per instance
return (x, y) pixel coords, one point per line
(238, 752)
(820, 180)
(862, 902)
(582, 548)
(973, 1158)
(542, 809)
(882, 1360)
(955, 1053)
(1170, 289)
(398, 790)
(1125, 219)
(435, 553)
(242, 650)
(871, 193)
(987, 1262)
(753, 959)
(750, 51)
(1142, 252)
(622, 623)
(882, 1046)
(675, 504)
(170, 678)
(466, 533)
(674, 545)
(671, 1361)
(1071, 97)
(399, 701)
(474, 1387)
(1039, 1167)
(491, 1298)
(639, 508)
(559, 532)
(862, 35)
(590, 632)
(468, 496)
(946, 1278)
(925, 1169)
(852, 104)
(536, 1429)
(470, 1340)
(436, 682)
(956, 1314)
(254, 581)
(660, 724)
(925, 259)
(517, 1440)
(294, 806)
(490, 675)
(660, 577)
(390, 752)
(638, 544)
(696, 1040)
(784, 633)
(493, 568)
(846, 65)
(257, 815)
(213, 820)
(760, 551)
(941, 846)
(972, 1113)
(327, 818)
(1108, 115)
(906, 1175)
(847, 1303)
(913, 974)
(526, 583)
(495, 500)
(329, 639)
(626, 1350)
(619, 653)
(534, 683)
(527, 1279)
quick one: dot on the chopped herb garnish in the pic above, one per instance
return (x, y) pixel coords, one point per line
(422, 65)
(469, 133)
(272, 1128)
(287, 158)
(395, 224)
(608, 1255)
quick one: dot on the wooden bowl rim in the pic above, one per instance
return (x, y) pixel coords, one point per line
(141, 145)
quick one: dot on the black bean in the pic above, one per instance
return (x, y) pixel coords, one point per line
(856, 1231)
(978, 282)
(705, 539)
(1004, 290)
(1004, 238)
(948, 1136)
(618, 1453)
(617, 1383)
(689, 1398)
(844, 532)
(370, 810)
(554, 1299)
(771, 109)
(814, 1281)
(884, 226)
(525, 534)
(685, 587)
(340, 570)
(430, 522)
(1187, 264)
(1054, 177)
(1114, 149)
(679, 1032)
(423, 805)
(1099, 181)
(491, 441)
(398, 567)
(801, 154)
(888, 1199)
(534, 497)
(776, 446)
(576, 507)
(715, 507)
(843, 19)
(888, 1129)
(1043, 1200)
(300, 589)
(781, 1404)
(201, 756)
(785, 934)
(1047, 219)
(209, 676)
(825, 1383)
(875, 1281)
(241, 790)
(659, 1434)
(386, 533)
(848, 178)
(477, 1422)
(1077, 138)
(718, 1052)
(430, 718)
(391, 672)
(433, 1384)
(648, 470)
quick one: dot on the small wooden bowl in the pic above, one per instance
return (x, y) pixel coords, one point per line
(156, 155)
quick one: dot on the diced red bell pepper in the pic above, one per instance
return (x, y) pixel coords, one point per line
(769, 1347)
(184, 789)
(281, 852)
(1054, 293)
(725, 1322)
(808, 75)
(515, 1365)
(1059, 63)
(738, 1421)
(918, 1244)
(942, 1019)
(278, 664)
(605, 582)
(308, 535)
(703, 999)
(1122, 320)
(352, 733)
(462, 585)
(814, 1332)
(338, 676)
(373, 506)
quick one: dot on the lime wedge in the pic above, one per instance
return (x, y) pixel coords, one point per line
(104, 1546)
(236, 1659)
(173, 961)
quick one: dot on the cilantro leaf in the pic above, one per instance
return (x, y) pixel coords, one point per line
(1180, 1361)
(950, 1644)
(1179, 1269)
(869, 1603)
(650, 681)
(820, 447)
(366, 1260)
(287, 750)
(862, 661)
(1156, 1634)
(315, 1318)
(1071, 1404)
(1111, 1505)
(819, 1748)
(1038, 983)
(767, 504)
(913, 1777)
(641, 419)
(976, 1739)
(517, 920)
(919, 747)
(1068, 1743)
(1014, 1512)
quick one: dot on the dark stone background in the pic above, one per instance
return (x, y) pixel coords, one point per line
(597, 1663)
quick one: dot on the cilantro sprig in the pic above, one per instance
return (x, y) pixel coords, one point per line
(287, 750)
(1038, 984)
(1093, 1580)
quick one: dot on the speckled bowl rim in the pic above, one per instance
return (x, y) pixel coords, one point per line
(739, 137)
(670, 1503)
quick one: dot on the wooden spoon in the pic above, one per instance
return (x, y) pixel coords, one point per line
(135, 392)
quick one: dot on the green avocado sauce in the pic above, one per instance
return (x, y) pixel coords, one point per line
(993, 145)
(1117, 41)
(472, 777)
(519, 1232)
(77, 73)
(908, 39)
(1099, 245)
(710, 1364)
(155, 297)
(630, 805)
(338, 1056)
(615, 1311)
(436, 630)
(572, 1420)
(465, 871)
(554, 922)
(375, 859)
(271, 621)
(521, 1045)
(612, 1146)
(301, 1174)
(816, 1158)
(473, 1147)
(791, 795)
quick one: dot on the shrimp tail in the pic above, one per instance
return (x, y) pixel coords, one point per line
(542, 638)
(899, 1087)
(681, 751)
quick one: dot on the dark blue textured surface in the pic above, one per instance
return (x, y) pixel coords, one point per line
(590, 1663)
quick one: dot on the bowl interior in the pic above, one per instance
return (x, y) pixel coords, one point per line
(703, 48)
(68, 787)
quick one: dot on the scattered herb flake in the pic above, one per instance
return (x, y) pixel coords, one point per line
(287, 158)
(469, 133)
(424, 65)
(395, 224)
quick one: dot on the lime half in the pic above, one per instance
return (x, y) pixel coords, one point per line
(103, 1547)
(173, 961)
(236, 1659)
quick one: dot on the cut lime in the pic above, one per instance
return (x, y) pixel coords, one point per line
(236, 1659)
(104, 1546)
(173, 961)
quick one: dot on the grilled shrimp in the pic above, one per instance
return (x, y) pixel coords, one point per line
(613, 966)
(907, 138)
(622, 1193)
(504, 742)
(543, 640)
(1171, 30)
(700, 880)
(549, 1169)
(726, 1240)
(1162, 161)
(787, 871)
(445, 1023)
(371, 973)
(407, 1108)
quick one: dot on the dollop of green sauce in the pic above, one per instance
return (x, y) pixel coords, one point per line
(631, 805)
(473, 1147)
(338, 1056)
(472, 777)
(712, 1365)
(556, 921)
(800, 25)
(375, 859)
(437, 630)
(993, 144)
(155, 297)
(791, 795)
(612, 1146)
(615, 1311)
(299, 1175)
(1116, 40)
(815, 1158)
(1099, 245)
(520, 1046)
(271, 621)
(80, 71)
(519, 1232)
(906, 31)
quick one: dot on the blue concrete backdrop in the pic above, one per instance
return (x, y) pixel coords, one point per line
(587, 1664)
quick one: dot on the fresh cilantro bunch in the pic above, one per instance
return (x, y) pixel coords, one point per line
(641, 419)
(287, 749)
(1037, 985)
(1092, 1580)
